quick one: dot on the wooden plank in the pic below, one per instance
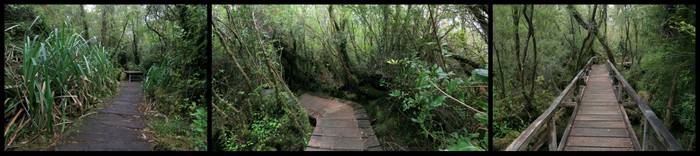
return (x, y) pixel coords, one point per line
(599, 142)
(600, 108)
(600, 132)
(629, 104)
(596, 117)
(576, 148)
(599, 103)
(599, 100)
(599, 124)
(568, 104)
(600, 112)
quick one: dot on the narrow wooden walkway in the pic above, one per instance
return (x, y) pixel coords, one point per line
(340, 125)
(117, 127)
(599, 96)
(600, 123)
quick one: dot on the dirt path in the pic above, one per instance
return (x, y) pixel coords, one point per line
(117, 127)
(340, 125)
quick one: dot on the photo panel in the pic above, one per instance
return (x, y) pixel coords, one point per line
(350, 77)
(105, 77)
(594, 77)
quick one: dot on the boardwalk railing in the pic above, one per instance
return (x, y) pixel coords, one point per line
(570, 97)
(655, 135)
(134, 74)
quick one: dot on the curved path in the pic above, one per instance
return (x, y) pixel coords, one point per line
(340, 125)
(117, 127)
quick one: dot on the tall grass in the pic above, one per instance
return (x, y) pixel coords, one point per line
(58, 75)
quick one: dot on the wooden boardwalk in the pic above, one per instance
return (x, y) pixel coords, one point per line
(340, 125)
(600, 124)
(117, 127)
(598, 95)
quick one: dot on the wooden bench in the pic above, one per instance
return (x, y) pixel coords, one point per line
(134, 74)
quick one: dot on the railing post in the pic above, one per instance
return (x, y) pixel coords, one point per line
(619, 93)
(645, 136)
(552, 133)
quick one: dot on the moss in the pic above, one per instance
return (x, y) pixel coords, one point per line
(171, 134)
(502, 143)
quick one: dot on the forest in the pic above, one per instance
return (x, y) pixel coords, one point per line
(419, 71)
(65, 66)
(538, 49)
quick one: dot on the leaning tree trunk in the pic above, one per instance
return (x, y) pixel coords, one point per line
(669, 109)
(591, 26)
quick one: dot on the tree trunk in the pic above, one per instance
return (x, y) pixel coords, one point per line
(516, 23)
(669, 108)
(480, 16)
(500, 69)
(591, 26)
(531, 32)
(103, 32)
(135, 42)
(85, 24)
(339, 36)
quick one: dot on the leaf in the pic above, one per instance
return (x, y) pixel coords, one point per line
(481, 75)
(464, 145)
(432, 43)
(483, 105)
(482, 117)
(438, 100)
(452, 86)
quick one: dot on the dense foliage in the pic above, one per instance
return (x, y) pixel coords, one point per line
(423, 55)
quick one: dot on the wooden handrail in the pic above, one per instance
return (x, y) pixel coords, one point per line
(526, 136)
(667, 139)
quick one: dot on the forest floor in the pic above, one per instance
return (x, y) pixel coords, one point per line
(340, 125)
(118, 126)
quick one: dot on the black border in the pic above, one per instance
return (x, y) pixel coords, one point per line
(210, 91)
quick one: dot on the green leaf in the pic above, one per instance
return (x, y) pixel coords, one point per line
(482, 117)
(438, 100)
(483, 105)
(395, 93)
(464, 145)
(452, 86)
(481, 75)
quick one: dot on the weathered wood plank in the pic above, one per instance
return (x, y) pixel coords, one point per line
(575, 148)
(596, 117)
(600, 112)
(599, 132)
(600, 108)
(599, 124)
(599, 142)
